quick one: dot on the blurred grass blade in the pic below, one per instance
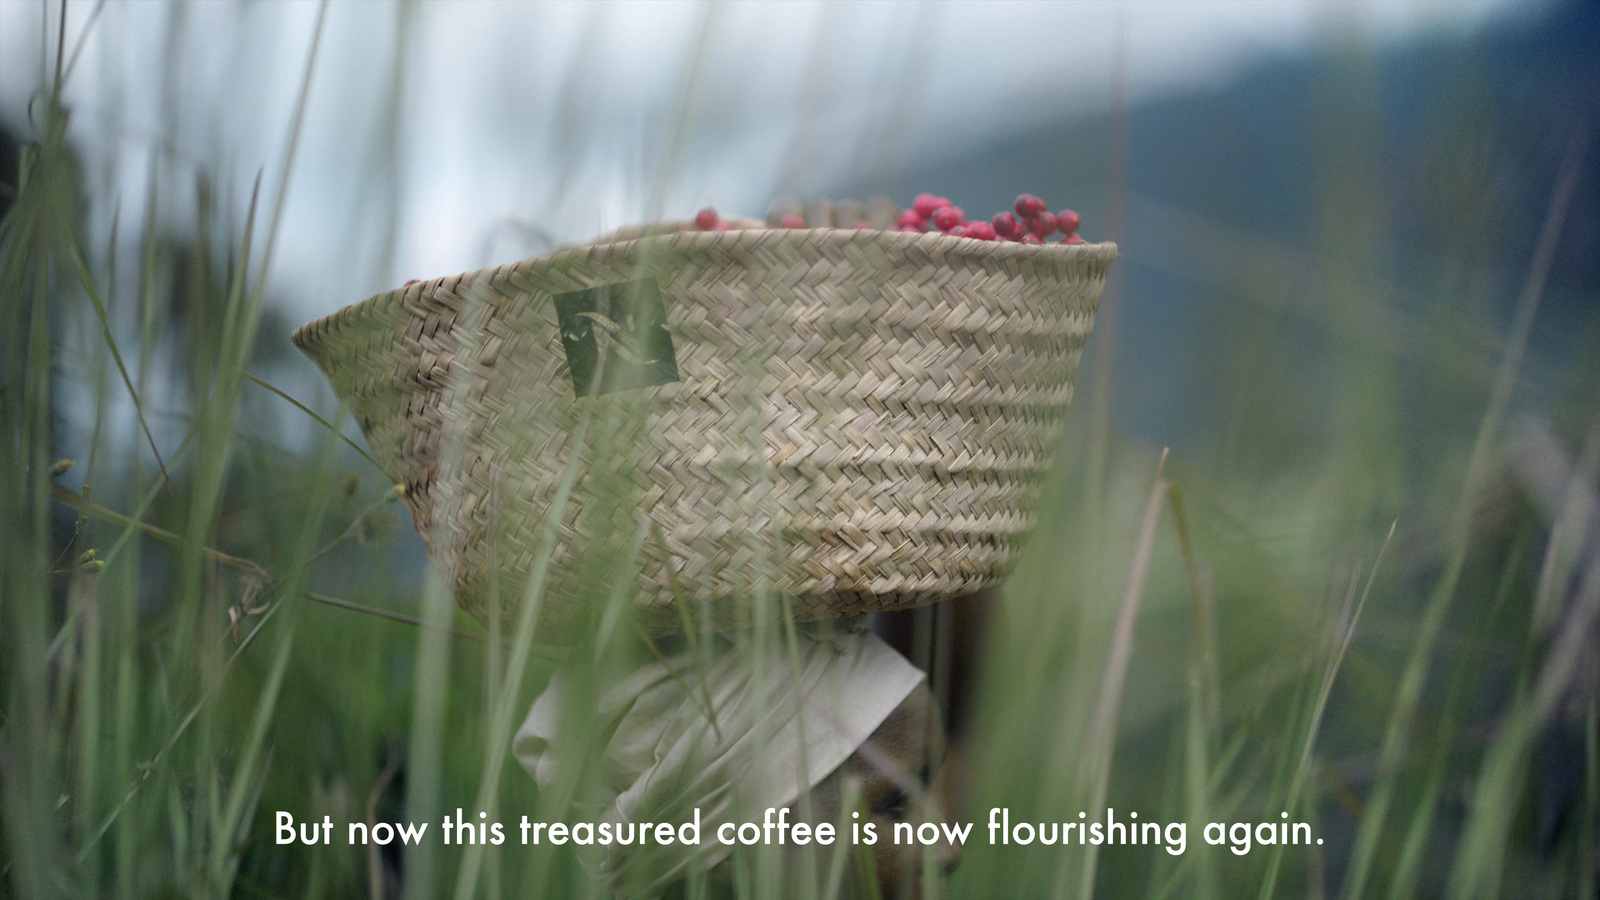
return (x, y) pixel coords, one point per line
(1102, 732)
(178, 732)
(319, 420)
(504, 710)
(1348, 620)
(89, 288)
(1397, 733)
(247, 779)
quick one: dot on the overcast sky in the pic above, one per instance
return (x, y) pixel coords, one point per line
(527, 122)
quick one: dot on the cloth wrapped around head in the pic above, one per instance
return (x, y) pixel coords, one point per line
(775, 731)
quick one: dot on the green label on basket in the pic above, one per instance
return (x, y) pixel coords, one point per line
(616, 338)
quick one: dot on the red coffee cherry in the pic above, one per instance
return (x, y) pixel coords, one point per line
(927, 204)
(982, 231)
(792, 221)
(947, 218)
(912, 219)
(705, 218)
(1072, 239)
(719, 226)
(1067, 221)
(1045, 225)
(1006, 226)
(1028, 206)
(1031, 238)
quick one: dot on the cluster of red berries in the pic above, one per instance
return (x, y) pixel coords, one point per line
(1031, 224)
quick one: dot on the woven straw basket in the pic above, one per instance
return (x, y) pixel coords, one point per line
(841, 420)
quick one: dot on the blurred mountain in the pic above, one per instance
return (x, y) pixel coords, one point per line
(1364, 200)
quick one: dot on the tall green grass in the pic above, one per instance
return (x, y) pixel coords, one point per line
(198, 628)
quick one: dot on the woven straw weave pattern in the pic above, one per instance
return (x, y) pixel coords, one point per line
(861, 420)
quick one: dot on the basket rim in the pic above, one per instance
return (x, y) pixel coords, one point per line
(319, 330)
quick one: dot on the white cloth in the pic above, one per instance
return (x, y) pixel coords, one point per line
(779, 729)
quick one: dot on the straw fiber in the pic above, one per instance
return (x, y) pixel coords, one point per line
(839, 420)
